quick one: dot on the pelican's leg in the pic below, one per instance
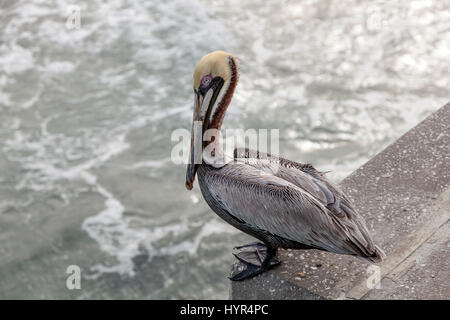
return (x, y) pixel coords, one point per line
(253, 244)
(256, 262)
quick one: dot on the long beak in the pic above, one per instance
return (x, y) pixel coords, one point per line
(196, 143)
(202, 109)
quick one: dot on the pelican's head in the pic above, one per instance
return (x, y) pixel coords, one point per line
(215, 78)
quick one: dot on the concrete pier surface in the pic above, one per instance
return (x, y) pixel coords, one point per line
(404, 195)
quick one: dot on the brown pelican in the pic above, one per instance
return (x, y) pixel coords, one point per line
(282, 203)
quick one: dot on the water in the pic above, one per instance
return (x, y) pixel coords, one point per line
(86, 117)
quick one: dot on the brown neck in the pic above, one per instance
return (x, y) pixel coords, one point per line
(218, 116)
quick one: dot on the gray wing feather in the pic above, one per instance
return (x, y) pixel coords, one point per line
(293, 201)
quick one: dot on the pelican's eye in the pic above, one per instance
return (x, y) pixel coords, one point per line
(206, 80)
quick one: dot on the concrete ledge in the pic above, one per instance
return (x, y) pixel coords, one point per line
(404, 195)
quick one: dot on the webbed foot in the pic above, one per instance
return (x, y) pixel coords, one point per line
(256, 258)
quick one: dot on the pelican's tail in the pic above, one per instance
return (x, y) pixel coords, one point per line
(377, 256)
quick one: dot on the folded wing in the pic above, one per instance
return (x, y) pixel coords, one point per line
(293, 201)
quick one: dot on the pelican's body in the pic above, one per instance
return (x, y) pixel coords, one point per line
(282, 203)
